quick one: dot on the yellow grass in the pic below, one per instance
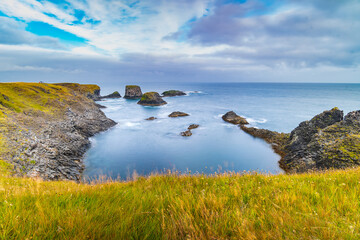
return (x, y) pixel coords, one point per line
(227, 206)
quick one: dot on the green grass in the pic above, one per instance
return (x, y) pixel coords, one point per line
(227, 206)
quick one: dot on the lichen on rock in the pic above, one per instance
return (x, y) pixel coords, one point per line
(151, 99)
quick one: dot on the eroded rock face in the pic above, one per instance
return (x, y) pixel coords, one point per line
(326, 141)
(151, 99)
(178, 114)
(233, 118)
(173, 93)
(133, 92)
(115, 94)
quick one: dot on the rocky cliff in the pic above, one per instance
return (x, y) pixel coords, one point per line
(45, 128)
(329, 140)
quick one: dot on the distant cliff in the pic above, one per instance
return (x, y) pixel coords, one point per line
(44, 128)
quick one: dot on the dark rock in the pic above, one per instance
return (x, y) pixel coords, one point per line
(99, 105)
(193, 126)
(115, 94)
(178, 114)
(187, 133)
(233, 118)
(173, 93)
(151, 99)
(132, 92)
(151, 118)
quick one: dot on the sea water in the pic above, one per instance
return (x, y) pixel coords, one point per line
(143, 147)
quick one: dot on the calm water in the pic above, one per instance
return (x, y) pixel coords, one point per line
(154, 146)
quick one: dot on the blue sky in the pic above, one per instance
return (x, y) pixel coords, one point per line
(180, 40)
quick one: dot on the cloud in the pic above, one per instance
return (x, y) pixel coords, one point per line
(13, 32)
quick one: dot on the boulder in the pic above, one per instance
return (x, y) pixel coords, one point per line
(150, 118)
(178, 114)
(151, 99)
(133, 92)
(173, 93)
(187, 133)
(233, 118)
(193, 126)
(115, 94)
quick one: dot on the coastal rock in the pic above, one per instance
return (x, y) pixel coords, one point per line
(115, 94)
(178, 114)
(151, 99)
(233, 118)
(326, 141)
(193, 126)
(187, 133)
(133, 92)
(173, 93)
(150, 118)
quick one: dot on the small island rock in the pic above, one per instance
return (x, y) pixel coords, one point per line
(173, 93)
(115, 94)
(187, 133)
(133, 92)
(178, 114)
(193, 126)
(233, 118)
(151, 99)
(150, 118)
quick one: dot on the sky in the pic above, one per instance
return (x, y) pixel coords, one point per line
(134, 41)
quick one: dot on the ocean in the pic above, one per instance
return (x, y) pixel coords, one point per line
(140, 147)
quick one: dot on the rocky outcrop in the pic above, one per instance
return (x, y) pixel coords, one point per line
(49, 136)
(178, 114)
(173, 93)
(233, 118)
(115, 94)
(150, 118)
(151, 99)
(193, 126)
(133, 92)
(326, 141)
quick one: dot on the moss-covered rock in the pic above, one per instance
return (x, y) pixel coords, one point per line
(173, 93)
(133, 92)
(115, 94)
(151, 99)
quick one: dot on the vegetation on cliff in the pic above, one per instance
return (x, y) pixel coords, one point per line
(228, 206)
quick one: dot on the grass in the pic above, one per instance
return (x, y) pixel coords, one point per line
(227, 206)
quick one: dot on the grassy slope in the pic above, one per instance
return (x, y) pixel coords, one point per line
(307, 206)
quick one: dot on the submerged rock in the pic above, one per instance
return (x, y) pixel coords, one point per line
(115, 94)
(151, 99)
(133, 92)
(178, 114)
(173, 93)
(150, 118)
(193, 126)
(187, 133)
(326, 141)
(233, 118)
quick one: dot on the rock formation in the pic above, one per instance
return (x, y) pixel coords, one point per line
(187, 133)
(193, 126)
(233, 118)
(326, 141)
(132, 92)
(150, 118)
(151, 99)
(178, 114)
(173, 93)
(115, 94)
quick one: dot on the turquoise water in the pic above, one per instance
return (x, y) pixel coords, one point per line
(144, 147)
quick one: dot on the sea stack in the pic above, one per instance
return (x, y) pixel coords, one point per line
(233, 118)
(151, 99)
(173, 93)
(115, 94)
(133, 92)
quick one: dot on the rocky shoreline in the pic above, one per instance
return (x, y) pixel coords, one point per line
(52, 145)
